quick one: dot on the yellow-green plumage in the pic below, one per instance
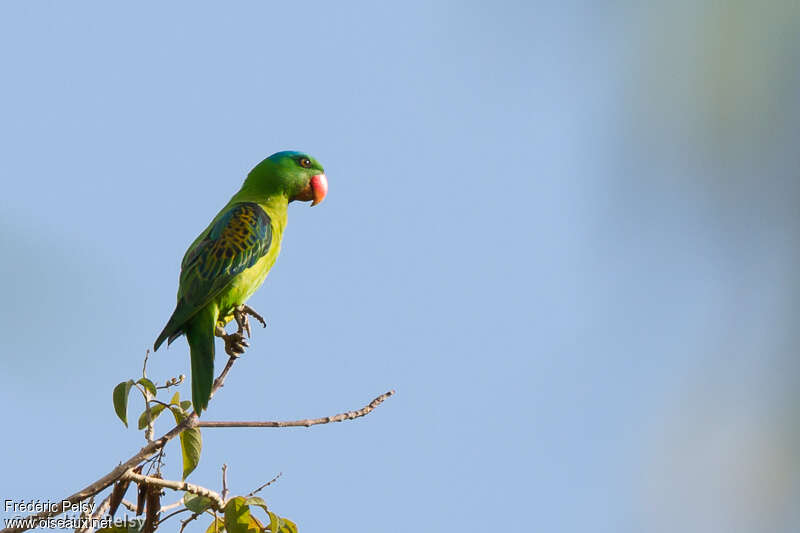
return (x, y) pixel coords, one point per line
(230, 259)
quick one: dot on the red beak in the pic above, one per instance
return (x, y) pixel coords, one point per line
(319, 188)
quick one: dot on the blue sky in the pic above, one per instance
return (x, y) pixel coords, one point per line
(550, 228)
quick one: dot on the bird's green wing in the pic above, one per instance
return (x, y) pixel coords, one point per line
(240, 237)
(235, 242)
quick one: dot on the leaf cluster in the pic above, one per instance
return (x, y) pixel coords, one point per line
(238, 517)
(191, 438)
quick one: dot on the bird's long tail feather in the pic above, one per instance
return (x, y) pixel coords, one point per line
(200, 335)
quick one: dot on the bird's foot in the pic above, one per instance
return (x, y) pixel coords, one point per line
(240, 315)
(235, 343)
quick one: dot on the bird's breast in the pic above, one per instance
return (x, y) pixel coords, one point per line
(248, 281)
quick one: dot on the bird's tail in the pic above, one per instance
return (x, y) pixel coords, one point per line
(174, 327)
(166, 332)
(200, 334)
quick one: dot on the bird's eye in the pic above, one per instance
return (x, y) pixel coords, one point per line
(305, 162)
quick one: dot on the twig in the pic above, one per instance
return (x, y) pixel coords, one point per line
(100, 511)
(184, 523)
(172, 382)
(86, 515)
(160, 460)
(150, 429)
(265, 485)
(172, 505)
(103, 507)
(144, 365)
(132, 507)
(216, 499)
(220, 381)
(155, 461)
(179, 511)
(224, 482)
(350, 415)
(129, 505)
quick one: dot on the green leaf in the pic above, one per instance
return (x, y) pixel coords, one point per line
(196, 503)
(191, 439)
(186, 404)
(120, 397)
(287, 526)
(238, 518)
(217, 526)
(191, 446)
(155, 410)
(179, 413)
(149, 387)
(177, 407)
(274, 522)
(281, 525)
(261, 527)
(256, 500)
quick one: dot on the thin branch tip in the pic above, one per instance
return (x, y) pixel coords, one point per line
(308, 422)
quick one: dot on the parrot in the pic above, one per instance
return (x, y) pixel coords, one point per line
(230, 259)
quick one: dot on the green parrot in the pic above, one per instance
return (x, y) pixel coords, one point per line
(229, 260)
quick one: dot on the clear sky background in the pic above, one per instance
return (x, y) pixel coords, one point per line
(566, 234)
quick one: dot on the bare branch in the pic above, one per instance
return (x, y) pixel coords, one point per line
(179, 511)
(129, 505)
(184, 523)
(224, 482)
(350, 415)
(150, 430)
(216, 499)
(265, 485)
(144, 365)
(173, 505)
(86, 515)
(132, 506)
(100, 511)
(220, 381)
